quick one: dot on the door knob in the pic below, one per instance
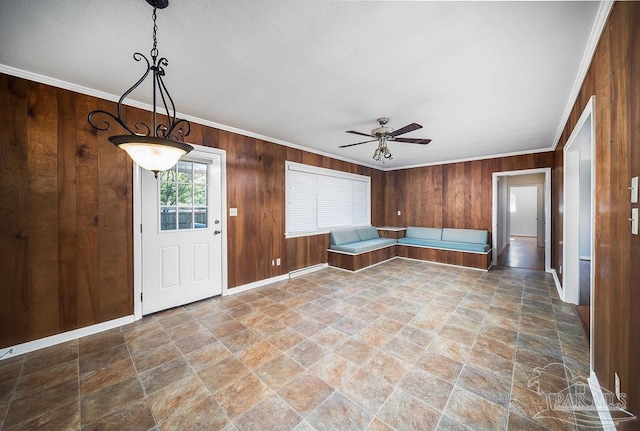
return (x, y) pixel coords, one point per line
(216, 232)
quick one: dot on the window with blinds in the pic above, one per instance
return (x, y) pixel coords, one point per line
(320, 199)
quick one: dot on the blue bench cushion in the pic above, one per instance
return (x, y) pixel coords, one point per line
(369, 232)
(424, 233)
(420, 241)
(452, 245)
(343, 236)
(362, 246)
(465, 235)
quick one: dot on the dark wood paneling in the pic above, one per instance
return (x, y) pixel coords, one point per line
(87, 207)
(456, 195)
(14, 268)
(306, 251)
(42, 210)
(67, 211)
(451, 257)
(357, 262)
(613, 78)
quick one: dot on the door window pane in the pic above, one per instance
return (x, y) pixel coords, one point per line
(200, 195)
(168, 218)
(167, 194)
(185, 218)
(184, 197)
(185, 172)
(185, 194)
(200, 218)
(199, 173)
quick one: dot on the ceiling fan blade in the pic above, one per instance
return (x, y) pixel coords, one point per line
(406, 129)
(413, 140)
(358, 133)
(351, 145)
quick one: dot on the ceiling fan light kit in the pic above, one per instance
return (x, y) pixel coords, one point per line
(384, 134)
(160, 146)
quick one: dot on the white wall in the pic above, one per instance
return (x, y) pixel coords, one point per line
(503, 213)
(523, 221)
(538, 180)
(585, 208)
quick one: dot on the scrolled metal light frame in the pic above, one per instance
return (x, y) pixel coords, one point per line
(171, 134)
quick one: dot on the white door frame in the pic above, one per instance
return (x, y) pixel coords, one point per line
(547, 212)
(137, 223)
(571, 216)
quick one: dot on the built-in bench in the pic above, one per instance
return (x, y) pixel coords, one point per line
(357, 248)
(464, 247)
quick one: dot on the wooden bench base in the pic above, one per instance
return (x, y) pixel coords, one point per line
(451, 257)
(356, 262)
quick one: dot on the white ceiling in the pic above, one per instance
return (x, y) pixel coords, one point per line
(483, 78)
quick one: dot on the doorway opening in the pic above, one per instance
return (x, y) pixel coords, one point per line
(521, 219)
(578, 258)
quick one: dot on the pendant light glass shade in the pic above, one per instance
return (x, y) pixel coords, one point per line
(153, 154)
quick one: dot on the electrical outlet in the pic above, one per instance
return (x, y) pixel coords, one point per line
(273, 262)
(560, 269)
(233, 212)
(399, 212)
(278, 262)
(617, 386)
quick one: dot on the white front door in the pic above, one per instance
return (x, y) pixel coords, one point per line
(181, 233)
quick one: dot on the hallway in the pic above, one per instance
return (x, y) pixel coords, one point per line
(522, 252)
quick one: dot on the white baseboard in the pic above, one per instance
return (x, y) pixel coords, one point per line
(41, 343)
(556, 280)
(283, 277)
(255, 284)
(308, 270)
(601, 403)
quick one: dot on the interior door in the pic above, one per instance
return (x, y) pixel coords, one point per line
(181, 233)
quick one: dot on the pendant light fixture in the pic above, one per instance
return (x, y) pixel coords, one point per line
(159, 146)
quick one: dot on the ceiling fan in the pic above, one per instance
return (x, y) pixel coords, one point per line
(383, 134)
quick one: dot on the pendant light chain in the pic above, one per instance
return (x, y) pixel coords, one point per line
(154, 50)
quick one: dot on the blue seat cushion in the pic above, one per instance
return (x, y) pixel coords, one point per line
(369, 232)
(451, 245)
(466, 235)
(424, 233)
(362, 246)
(343, 236)
(419, 241)
(466, 246)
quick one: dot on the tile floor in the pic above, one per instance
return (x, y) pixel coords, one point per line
(404, 345)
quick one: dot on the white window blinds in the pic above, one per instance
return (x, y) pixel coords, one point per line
(320, 199)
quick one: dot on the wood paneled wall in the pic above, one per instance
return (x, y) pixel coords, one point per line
(614, 78)
(66, 211)
(456, 195)
(65, 215)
